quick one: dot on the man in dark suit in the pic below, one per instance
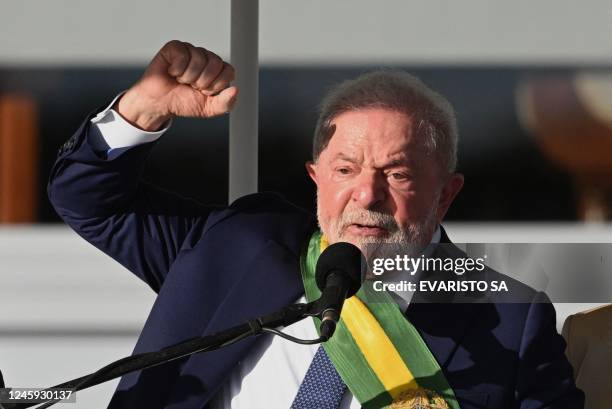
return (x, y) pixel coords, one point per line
(384, 160)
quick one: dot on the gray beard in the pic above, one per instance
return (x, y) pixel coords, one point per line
(410, 240)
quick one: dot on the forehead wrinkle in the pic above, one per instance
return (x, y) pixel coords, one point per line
(402, 161)
(370, 141)
(344, 156)
(396, 163)
(400, 157)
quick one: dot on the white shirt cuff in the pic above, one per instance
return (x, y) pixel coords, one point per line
(116, 132)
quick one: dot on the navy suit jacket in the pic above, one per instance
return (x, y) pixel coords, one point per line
(214, 267)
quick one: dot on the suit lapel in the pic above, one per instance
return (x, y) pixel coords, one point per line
(272, 281)
(442, 323)
(442, 326)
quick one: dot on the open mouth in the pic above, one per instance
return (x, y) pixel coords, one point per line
(366, 230)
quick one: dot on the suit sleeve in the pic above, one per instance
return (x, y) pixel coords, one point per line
(105, 202)
(545, 377)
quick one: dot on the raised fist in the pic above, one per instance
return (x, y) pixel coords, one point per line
(181, 80)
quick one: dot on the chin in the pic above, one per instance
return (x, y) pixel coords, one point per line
(363, 241)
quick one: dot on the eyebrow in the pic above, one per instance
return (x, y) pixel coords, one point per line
(398, 162)
(403, 161)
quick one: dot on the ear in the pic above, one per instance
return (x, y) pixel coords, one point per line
(311, 168)
(449, 191)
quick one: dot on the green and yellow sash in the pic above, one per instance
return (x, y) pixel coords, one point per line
(378, 353)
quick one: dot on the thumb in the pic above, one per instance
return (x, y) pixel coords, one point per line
(223, 102)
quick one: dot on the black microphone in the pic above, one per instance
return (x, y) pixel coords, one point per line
(340, 271)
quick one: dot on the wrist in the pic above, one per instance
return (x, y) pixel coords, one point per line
(140, 114)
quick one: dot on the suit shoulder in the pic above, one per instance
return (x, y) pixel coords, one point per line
(264, 202)
(500, 289)
(260, 217)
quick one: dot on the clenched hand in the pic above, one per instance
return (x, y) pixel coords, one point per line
(181, 80)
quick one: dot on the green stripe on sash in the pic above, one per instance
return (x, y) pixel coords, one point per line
(351, 363)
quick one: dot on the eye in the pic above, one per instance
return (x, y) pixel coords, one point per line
(343, 171)
(397, 176)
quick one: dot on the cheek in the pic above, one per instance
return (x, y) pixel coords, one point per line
(411, 206)
(333, 199)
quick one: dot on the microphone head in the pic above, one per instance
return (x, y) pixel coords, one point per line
(343, 258)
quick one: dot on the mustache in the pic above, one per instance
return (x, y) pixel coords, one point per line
(369, 218)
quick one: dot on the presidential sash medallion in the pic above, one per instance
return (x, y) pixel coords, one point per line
(419, 399)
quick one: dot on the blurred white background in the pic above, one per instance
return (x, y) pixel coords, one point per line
(314, 32)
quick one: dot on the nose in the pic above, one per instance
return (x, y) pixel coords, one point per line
(369, 191)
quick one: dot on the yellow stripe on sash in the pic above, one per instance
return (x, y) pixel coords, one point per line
(375, 345)
(323, 244)
(377, 348)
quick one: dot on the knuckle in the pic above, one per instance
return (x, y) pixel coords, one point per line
(176, 52)
(214, 68)
(182, 58)
(186, 77)
(219, 86)
(201, 83)
(198, 57)
(213, 59)
(216, 60)
(173, 45)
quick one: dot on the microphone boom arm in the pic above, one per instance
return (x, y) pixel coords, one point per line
(281, 318)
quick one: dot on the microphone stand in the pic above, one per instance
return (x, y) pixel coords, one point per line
(256, 326)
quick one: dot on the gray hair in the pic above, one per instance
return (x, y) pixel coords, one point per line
(431, 114)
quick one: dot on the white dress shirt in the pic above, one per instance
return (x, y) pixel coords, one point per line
(270, 376)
